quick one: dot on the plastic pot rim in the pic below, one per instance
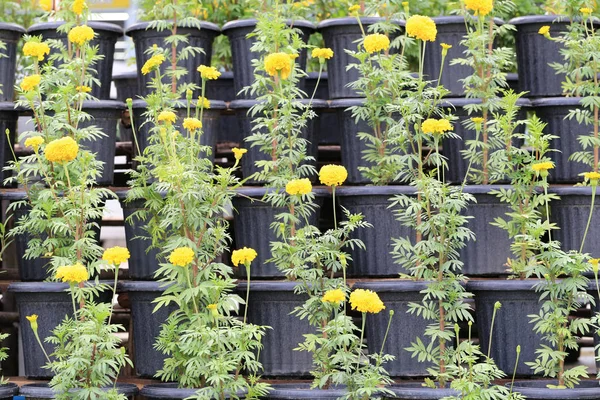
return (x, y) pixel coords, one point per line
(95, 25)
(145, 26)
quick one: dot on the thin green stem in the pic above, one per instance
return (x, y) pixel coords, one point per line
(386, 334)
(589, 220)
(114, 292)
(360, 343)
(247, 291)
(334, 213)
(512, 382)
(491, 332)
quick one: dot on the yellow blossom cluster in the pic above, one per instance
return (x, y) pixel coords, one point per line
(591, 176)
(153, 62)
(481, 7)
(209, 73)
(192, 124)
(421, 27)
(366, 301)
(166, 116)
(333, 175)
(376, 42)
(279, 64)
(34, 142)
(61, 150)
(181, 256)
(81, 34)
(203, 102)
(46, 5)
(322, 53)
(243, 256)
(298, 186)
(75, 273)
(334, 296)
(78, 6)
(438, 126)
(542, 166)
(36, 49)
(238, 153)
(116, 255)
(30, 82)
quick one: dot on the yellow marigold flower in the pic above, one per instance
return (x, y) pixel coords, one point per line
(167, 116)
(61, 150)
(81, 34)
(322, 53)
(30, 82)
(421, 27)
(243, 256)
(278, 64)
(335, 296)
(153, 62)
(76, 273)
(594, 262)
(36, 49)
(212, 306)
(46, 5)
(181, 256)
(213, 310)
(192, 124)
(481, 7)
(376, 42)
(446, 46)
(209, 73)
(354, 9)
(78, 6)
(477, 120)
(33, 321)
(333, 175)
(591, 176)
(34, 142)
(542, 166)
(116, 255)
(204, 102)
(544, 30)
(83, 89)
(586, 10)
(238, 153)
(438, 126)
(298, 186)
(364, 301)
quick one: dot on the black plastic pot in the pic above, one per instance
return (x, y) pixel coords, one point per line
(170, 391)
(9, 117)
(537, 389)
(126, 85)
(293, 391)
(397, 295)
(416, 391)
(223, 89)
(553, 111)
(487, 255)
(571, 213)
(210, 122)
(326, 128)
(143, 263)
(146, 324)
(452, 148)
(252, 215)
(341, 34)
(242, 56)
(144, 37)
(52, 303)
(373, 203)
(9, 35)
(241, 108)
(106, 38)
(8, 390)
(271, 304)
(535, 52)
(35, 391)
(512, 326)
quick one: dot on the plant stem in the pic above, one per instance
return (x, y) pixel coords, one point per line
(247, 291)
(334, 213)
(589, 220)
(386, 335)
(491, 332)
(360, 343)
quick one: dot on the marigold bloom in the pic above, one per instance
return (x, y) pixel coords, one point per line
(81, 34)
(61, 150)
(438, 126)
(83, 89)
(78, 6)
(36, 49)
(594, 263)
(477, 120)
(238, 153)
(334, 296)
(446, 46)
(30, 82)
(192, 124)
(209, 73)
(421, 27)
(376, 42)
(181, 256)
(34, 142)
(212, 306)
(322, 53)
(333, 175)
(46, 5)
(542, 166)
(544, 30)
(33, 321)
(354, 9)
(586, 10)
(364, 301)
(116, 255)
(204, 102)
(278, 64)
(243, 256)
(167, 116)
(591, 176)
(76, 273)
(153, 62)
(298, 186)
(481, 7)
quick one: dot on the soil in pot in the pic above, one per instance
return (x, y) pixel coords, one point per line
(373, 203)
(106, 39)
(9, 35)
(537, 389)
(512, 326)
(51, 302)
(146, 324)
(8, 122)
(144, 37)
(242, 56)
(170, 391)
(35, 391)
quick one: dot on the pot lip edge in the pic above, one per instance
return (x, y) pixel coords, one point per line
(144, 25)
(96, 25)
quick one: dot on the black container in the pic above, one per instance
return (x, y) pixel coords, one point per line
(512, 326)
(537, 389)
(341, 34)
(35, 391)
(9, 117)
(242, 56)
(170, 391)
(271, 304)
(416, 391)
(144, 37)
(535, 52)
(146, 324)
(553, 111)
(8, 390)
(223, 89)
(452, 148)
(106, 39)
(571, 214)
(143, 263)
(241, 108)
(52, 303)
(302, 391)
(210, 123)
(327, 129)
(406, 327)
(513, 81)
(487, 254)
(9, 35)
(373, 203)
(126, 85)
(252, 216)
